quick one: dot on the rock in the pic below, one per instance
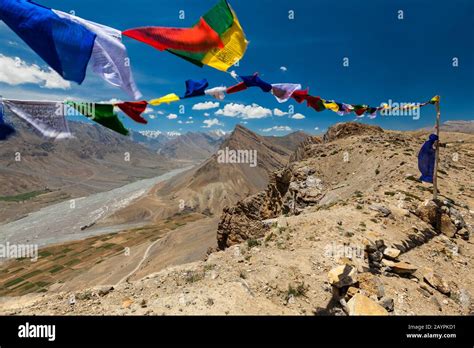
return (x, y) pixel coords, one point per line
(343, 275)
(371, 284)
(391, 253)
(382, 210)
(428, 211)
(127, 303)
(436, 303)
(376, 256)
(447, 227)
(351, 292)
(387, 303)
(464, 233)
(362, 305)
(104, 290)
(435, 281)
(380, 245)
(400, 267)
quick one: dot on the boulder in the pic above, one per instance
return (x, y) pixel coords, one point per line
(447, 227)
(387, 303)
(371, 284)
(391, 253)
(428, 212)
(382, 210)
(400, 267)
(436, 281)
(362, 305)
(343, 275)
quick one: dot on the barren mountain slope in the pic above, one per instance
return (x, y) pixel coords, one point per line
(46, 171)
(213, 185)
(349, 230)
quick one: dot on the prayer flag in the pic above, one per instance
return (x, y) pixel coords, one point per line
(64, 45)
(134, 110)
(102, 114)
(47, 117)
(109, 56)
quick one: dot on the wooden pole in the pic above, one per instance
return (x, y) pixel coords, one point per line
(435, 174)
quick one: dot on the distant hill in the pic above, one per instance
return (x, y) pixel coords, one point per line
(41, 171)
(213, 185)
(456, 126)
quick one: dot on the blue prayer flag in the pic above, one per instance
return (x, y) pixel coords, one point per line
(66, 46)
(426, 159)
(195, 88)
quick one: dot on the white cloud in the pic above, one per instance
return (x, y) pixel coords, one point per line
(148, 110)
(180, 122)
(111, 101)
(277, 129)
(190, 118)
(316, 128)
(212, 122)
(206, 106)
(244, 111)
(172, 116)
(189, 122)
(298, 116)
(152, 117)
(14, 71)
(279, 113)
(283, 68)
(160, 112)
(206, 114)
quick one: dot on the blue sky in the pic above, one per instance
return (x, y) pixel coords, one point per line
(405, 60)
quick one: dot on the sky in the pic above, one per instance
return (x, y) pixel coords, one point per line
(403, 51)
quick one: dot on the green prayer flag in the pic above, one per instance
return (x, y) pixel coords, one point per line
(102, 114)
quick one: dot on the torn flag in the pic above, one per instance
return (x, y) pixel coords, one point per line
(200, 38)
(224, 22)
(283, 91)
(47, 117)
(134, 110)
(331, 105)
(426, 159)
(102, 114)
(237, 88)
(64, 45)
(360, 109)
(315, 102)
(300, 95)
(109, 56)
(169, 98)
(195, 88)
(5, 129)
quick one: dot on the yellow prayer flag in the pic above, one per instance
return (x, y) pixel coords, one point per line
(435, 99)
(169, 98)
(331, 106)
(234, 49)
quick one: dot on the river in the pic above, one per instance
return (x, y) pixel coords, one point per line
(62, 222)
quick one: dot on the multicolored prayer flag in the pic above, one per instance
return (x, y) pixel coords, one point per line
(222, 19)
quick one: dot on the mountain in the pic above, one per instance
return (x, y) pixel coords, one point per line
(456, 126)
(213, 184)
(37, 171)
(154, 140)
(343, 229)
(192, 146)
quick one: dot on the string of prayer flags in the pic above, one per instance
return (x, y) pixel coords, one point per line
(200, 38)
(195, 88)
(64, 45)
(283, 91)
(169, 98)
(134, 110)
(46, 117)
(109, 57)
(5, 129)
(102, 114)
(222, 19)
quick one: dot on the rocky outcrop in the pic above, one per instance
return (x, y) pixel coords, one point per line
(347, 129)
(245, 220)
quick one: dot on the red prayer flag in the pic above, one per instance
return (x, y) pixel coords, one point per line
(300, 95)
(315, 102)
(134, 110)
(200, 38)
(236, 88)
